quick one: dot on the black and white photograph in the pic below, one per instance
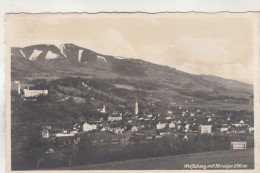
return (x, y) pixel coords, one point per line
(131, 91)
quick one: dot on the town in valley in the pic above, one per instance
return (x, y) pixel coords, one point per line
(71, 106)
(157, 128)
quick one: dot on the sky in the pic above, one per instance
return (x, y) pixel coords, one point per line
(211, 44)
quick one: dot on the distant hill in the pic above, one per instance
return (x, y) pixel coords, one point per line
(159, 83)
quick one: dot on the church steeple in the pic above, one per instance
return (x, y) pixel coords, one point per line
(136, 107)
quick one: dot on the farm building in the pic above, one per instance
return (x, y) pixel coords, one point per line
(222, 128)
(89, 127)
(238, 145)
(205, 128)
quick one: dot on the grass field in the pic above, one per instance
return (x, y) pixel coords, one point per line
(230, 157)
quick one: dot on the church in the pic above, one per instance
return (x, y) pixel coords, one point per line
(136, 108)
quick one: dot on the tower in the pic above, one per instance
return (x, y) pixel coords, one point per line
(136, 107)
(103, 110)
(19, 87)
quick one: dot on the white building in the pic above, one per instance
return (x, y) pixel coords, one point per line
(89, 127)
(45, 131)
(103, 110)
(205, 128)
(119, 130)
(185, 138)
(74, 132)
(251, 129)
(164, 133)
(222, 128)
(241, 145)
(63, 135)
(149, 115)
(187, 127)
(160, 125)
(115, 117)
(172, 125)
(34, 93)
(237, 124)
(45, 134)
(134, 129)
(103, 129)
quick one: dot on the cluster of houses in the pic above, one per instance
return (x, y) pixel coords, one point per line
(150, 125)
(182, 120)
(161, 125)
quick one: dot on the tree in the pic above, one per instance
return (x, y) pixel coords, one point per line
(34, 147)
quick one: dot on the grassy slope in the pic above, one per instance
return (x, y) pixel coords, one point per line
(177, 162)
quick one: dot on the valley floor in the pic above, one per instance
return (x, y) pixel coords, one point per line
(239, 159)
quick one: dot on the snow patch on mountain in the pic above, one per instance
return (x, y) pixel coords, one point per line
(101, 58)
(62, 48)
(119, 57)
(35, 55)
(80, 54)
(21, 51)
(51, 55)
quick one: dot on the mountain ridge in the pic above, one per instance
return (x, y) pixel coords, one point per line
(52, 62)
(61, 54)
